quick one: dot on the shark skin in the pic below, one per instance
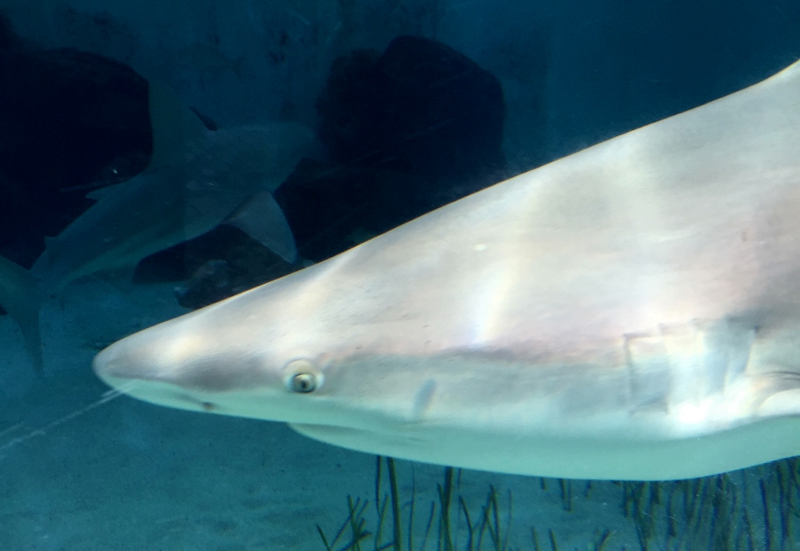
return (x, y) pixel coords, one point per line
(196, 180)
(19, 296)
(631, 311)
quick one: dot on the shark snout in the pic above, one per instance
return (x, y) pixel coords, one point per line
(134, 369)
(126, 361)
(194, 363)
(170, 365)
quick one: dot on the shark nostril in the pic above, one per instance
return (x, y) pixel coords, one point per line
(208, 406)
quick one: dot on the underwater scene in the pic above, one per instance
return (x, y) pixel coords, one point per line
(399, 275)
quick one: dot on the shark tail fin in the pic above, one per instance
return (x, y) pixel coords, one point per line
(19, 296)
(173, 124)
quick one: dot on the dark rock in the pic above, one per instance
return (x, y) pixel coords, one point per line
(210, 283)
(8, 38)
(67, 119)
(331, 211)
(411, 130)
(216, 265)
(421, 108)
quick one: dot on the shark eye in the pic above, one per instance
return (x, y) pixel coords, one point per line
(302, 376)
(304, 383)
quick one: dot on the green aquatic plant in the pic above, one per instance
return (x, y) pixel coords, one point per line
(447, 518)
(751, 510)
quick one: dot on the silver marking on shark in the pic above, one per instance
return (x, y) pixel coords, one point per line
(631, 311)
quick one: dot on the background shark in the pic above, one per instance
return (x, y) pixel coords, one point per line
(19, 296)
(196, 180)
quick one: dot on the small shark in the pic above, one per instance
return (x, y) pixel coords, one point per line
(631, 311)
(196, 180)
(19, 296)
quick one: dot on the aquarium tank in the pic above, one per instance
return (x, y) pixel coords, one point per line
(399, 275)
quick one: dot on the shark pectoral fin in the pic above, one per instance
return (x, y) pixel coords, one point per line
(19, 296)
(106, 191)
(173, 124)
(262, 219)
(362, 440)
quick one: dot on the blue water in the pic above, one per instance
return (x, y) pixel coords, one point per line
(83, 470)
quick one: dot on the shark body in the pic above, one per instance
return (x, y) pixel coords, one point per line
(19, 296)
(197, 179)
(631, 311)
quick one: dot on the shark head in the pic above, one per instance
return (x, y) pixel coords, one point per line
(317, 355)
(197, 363)
(265, 355)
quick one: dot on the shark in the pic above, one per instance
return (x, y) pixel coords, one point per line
(19, 296)
(628, 312)
(196, 180)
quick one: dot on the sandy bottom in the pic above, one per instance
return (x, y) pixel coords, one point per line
(81, 474)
